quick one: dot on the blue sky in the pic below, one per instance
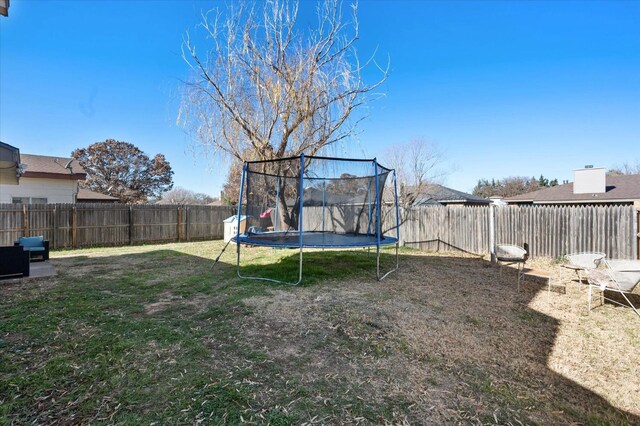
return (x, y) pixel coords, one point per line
(504, 88)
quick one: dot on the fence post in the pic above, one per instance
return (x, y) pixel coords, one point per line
(130, 224)
(54, 231)
(188, 222)
(492, 232)
(179, 223)
(74, 227)
(637, 230)
(25, 220)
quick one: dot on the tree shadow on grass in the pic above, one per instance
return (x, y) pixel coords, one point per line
(446, 327)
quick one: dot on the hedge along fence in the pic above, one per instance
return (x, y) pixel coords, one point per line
(85, 225)
(551, 231)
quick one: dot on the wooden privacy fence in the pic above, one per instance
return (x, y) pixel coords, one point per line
(551, 231)
(448, 228)
(84, 225)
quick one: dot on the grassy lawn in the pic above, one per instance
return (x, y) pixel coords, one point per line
(153, 334)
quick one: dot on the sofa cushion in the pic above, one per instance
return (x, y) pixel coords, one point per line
(31, 242)
(33, 248)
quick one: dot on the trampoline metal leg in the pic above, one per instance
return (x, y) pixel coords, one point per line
(270, 279)
(380, 278)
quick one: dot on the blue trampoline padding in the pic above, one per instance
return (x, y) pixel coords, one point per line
(291, 239)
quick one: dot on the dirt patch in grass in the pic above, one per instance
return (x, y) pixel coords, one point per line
(198, 302)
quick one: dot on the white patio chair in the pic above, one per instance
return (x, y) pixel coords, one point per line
(508, 254)
(582, 262)
(620, 276)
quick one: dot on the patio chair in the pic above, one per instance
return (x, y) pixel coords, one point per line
(619, 276)
(508, 254)
(582, 262)
(37, 247)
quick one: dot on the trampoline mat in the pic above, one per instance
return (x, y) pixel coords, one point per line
(313, 239)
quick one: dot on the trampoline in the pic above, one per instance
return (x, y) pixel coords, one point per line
(318, 202)
(314, 239)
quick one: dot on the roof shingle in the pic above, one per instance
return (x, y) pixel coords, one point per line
(625, 188)
(54, 167)
(438, 194)
(88, 195)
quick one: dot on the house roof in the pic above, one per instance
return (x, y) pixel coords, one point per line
(87, 195)
(623, 188)
(52, 167)
(9, 161)
(438, 194)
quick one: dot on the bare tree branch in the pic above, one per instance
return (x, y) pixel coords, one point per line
(266, 89)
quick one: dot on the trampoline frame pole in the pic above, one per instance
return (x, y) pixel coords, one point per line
(324, 184)
(375, 176)
(395, 193)
(379, 203)
(300, 215)
(275, 225)
(370, 211)
(244, 171)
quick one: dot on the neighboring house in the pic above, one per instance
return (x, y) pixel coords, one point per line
(87, 196)
(4, 7)
(590, 186)
(9, 164)
(434, 194)
(40, 179)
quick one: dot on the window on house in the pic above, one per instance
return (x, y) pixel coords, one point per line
(28, 200)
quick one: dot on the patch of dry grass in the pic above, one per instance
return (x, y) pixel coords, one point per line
(445, 340)
(459, 343)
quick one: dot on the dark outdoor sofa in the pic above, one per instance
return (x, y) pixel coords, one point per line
(14, 262)
(37, 247)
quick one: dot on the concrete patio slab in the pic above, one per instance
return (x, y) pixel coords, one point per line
(36, 270)
(41, 270)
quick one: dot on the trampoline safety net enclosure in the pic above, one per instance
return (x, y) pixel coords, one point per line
(318, 202)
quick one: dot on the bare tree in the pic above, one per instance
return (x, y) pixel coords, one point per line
(264, 89)
(181, 196)
(417, 164)
(625, 169)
